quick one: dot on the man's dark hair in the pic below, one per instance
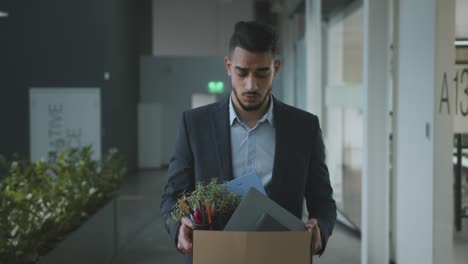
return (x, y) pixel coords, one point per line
(254, 37)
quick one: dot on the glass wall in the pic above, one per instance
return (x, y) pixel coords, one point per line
(343, 109)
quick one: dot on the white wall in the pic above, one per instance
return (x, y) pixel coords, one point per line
(196, 27)
(150, 131)
(171, 82)
(443, 213)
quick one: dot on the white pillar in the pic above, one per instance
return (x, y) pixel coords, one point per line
(313, 38)
(375, 178)
(394, 94)
(424, 176)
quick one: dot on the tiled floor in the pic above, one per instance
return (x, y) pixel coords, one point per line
(150, 244)
(147, 241)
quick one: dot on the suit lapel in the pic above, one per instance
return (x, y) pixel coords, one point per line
(222, 137)
(281, 148)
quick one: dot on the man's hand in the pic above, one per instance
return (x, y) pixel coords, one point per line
(316, 244)
(184, 243)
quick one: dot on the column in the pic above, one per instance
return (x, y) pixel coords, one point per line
(376, 177)
(313, 42)
(423, 133)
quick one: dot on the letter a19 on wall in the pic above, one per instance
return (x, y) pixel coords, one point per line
(64, 118)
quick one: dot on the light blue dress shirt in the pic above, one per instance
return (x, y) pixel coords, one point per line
(253, 149)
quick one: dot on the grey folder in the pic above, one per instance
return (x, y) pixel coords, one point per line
(257, 212)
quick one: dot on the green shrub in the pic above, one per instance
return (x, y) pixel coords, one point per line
(40, 201)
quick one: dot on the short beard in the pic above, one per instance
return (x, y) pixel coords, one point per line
(251, 108)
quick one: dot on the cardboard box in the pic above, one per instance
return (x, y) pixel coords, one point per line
(229, 247)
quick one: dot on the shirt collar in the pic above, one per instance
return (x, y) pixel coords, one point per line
(268, 115)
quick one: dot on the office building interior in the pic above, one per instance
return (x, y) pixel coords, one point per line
(388, 80)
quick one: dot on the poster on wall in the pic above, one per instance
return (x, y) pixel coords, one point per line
(64, 118)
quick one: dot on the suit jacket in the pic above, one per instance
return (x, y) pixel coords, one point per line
(203, 151)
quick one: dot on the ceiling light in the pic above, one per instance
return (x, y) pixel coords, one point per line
(461, 43)
(3, 14)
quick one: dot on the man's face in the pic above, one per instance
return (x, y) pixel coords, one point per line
(251, 77)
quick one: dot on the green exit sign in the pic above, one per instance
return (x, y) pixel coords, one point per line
(216, 87)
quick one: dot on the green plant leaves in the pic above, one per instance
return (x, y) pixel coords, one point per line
(40, 200)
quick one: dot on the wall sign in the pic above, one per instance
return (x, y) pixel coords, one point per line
(64, 118)
(455, 103)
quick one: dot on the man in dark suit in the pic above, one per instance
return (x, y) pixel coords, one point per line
(252, 130)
